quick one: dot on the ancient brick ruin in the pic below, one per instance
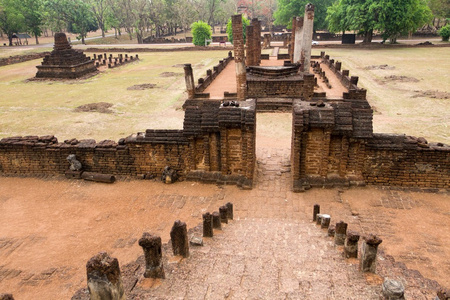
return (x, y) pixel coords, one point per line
(65, 62)
(333, 143)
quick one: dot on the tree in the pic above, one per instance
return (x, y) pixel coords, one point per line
(33, 16)
(398, 17)
(201, 31)
(11, 19)
(99, 10)
(245, 23)
(444, 32)
(390, 17)
(440, 9)
(287, 9)
(76, 14)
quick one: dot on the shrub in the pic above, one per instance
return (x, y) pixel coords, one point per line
(444, 32)
(200, 31)
(245, 23)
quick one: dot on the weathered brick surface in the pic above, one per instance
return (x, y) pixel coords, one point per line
(217, 144)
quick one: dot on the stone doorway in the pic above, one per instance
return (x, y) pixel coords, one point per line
(273, 152)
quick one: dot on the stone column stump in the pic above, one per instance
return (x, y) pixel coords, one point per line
(393, 290)
(179, 237)
(369, 253)
(223, 214)
(325, 223)
(340, 232)
(6, 297)
(103, 278)
(229, 206)
(216, 220)
(151, 244)
(316, 211)
(208, 225)
(351, 245)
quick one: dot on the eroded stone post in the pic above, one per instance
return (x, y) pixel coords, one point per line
(351, 245)
(393, 290)
(298, 39)
(151, 244)
(189, 78)
(325, 223)
(369, 253)
(208, 225)
(239, 57)
(103, 278)
(6, 297)
(216, 220)
(340, 233)
(316, 211)
(223, 210)
(308, 24)
(229, 206)
(179, 237)
(249, 58)
(256, 41)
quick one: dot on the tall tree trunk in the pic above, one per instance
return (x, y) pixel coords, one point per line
(10, 39)
(103, 30)
(368, 36)
(37, 40)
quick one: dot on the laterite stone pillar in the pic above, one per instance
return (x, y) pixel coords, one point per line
(151, 244)
(239, 57)
(103, 278)
(308, 24)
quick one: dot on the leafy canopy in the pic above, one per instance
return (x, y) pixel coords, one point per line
(287, 9)
(201, 31)
(444, 32)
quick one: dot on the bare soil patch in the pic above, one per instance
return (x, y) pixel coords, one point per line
(144, 86)
(379, 67)
(169, 74)
(178, 66)
(435, 94)
(396, 78)
(101, 107)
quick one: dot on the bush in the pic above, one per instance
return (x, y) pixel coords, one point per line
(444, 32)
(245, 23)
(200, 31)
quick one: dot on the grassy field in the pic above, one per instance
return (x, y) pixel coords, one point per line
(394, 90)
(46, 107)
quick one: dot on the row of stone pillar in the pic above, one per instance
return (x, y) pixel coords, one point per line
(215, 220)
(350, 239)
(391, 289)
(103, 271)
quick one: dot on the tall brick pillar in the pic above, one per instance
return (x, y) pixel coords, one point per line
(308, 25)
(250, 57)
(257, 40)
(189, 78)
(239, 57)
(292, 41)
(298, 39)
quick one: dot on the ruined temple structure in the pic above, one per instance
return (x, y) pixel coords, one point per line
(65, 62)
(333, 143)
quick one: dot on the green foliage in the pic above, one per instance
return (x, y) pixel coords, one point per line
(245, 23)
(200, 31)
(444, 32)
(33, 13)
(440, 8)
(287, 9)
(391, 17)
(11, 18)
(76, 14)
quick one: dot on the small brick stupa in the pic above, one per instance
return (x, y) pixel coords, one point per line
(65, 62)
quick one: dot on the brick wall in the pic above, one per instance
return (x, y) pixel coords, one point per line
(216, 144)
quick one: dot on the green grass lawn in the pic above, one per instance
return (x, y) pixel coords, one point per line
(47, 107)
(398, 110)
